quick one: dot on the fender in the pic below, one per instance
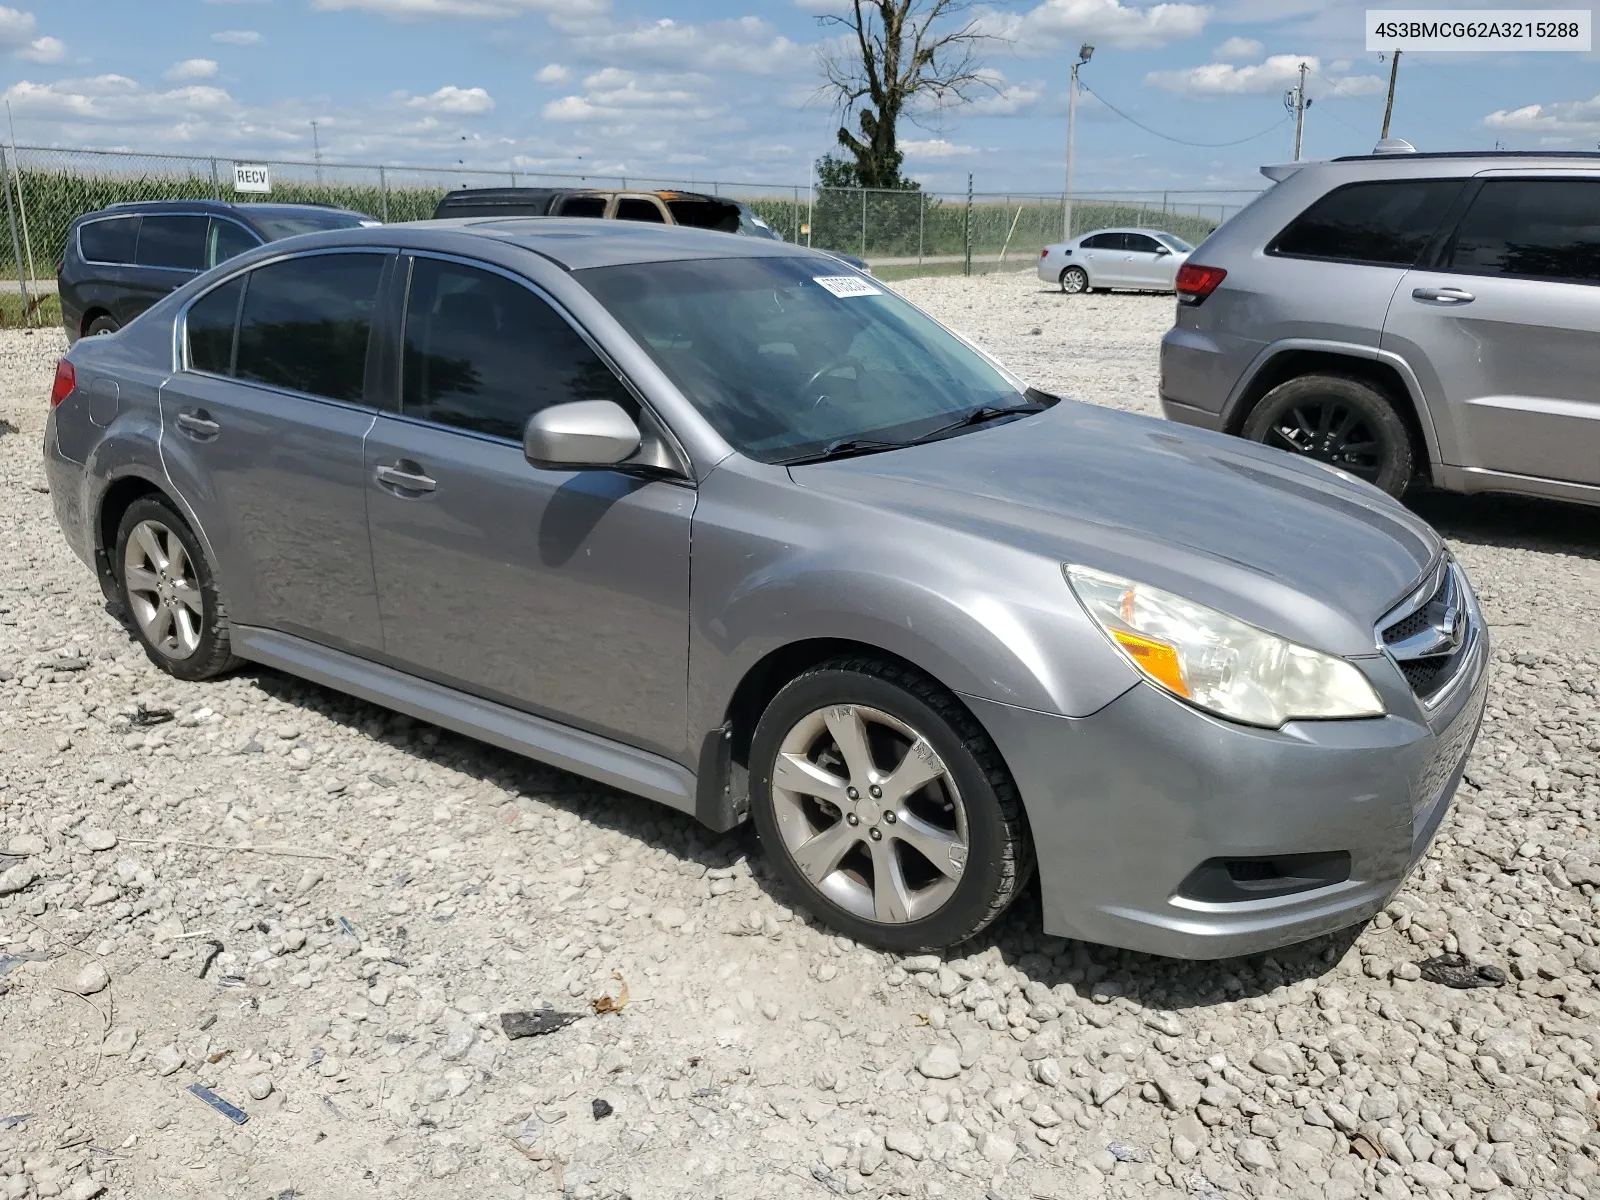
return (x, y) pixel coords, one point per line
(1408, 377)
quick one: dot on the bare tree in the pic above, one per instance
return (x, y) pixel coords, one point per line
(906, 53)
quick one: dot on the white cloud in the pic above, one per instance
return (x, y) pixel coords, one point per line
(44, 50)
(744, 44)
(553, 73)
(933, 148)
(410, 10)
(456, 101)
(1274, 74)
(237, 37)
(1564, 117)
(1236, 48)
(115, 98)
(1059, 24)
(16, 28)
(191, 69)
(613, 94)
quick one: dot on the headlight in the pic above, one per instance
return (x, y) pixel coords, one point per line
(1218, 663)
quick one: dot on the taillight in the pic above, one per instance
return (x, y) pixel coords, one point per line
(66, 380)
(1045, 253)
(1195, 282)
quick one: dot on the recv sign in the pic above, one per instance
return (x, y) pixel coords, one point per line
(251, 177)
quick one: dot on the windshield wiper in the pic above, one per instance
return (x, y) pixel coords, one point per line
(978, 416)
(844, 448)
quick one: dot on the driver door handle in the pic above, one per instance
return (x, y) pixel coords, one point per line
(404, 480)
(1443, 295)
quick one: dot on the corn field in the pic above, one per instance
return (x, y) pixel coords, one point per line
(51, 187)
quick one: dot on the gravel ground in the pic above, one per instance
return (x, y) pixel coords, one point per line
(318, 911)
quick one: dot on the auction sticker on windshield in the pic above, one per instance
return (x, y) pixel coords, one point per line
(846, 285)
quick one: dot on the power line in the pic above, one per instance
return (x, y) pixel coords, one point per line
(1334, 84)
(1168, 137)
(1337, 88)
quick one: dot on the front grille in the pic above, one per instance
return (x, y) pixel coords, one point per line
(1430, 633)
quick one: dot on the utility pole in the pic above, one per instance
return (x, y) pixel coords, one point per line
(316, 150)
(1388, 108)
(1085, 53)
(1295, 101)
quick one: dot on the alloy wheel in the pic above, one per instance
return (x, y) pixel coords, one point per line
(1331, 432)
(163, 589)
(870, 813)
(1074, 280)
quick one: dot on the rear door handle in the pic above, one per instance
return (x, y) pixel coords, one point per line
(405, 480)
(198, 424)
(1444, 295)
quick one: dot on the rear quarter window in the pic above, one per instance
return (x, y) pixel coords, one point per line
(1381, 223)
(108, 241)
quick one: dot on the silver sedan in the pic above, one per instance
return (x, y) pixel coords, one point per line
(1142, 260)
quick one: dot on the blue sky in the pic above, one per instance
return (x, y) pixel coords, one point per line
(724, 89)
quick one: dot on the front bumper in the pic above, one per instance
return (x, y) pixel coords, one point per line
(1126, 804)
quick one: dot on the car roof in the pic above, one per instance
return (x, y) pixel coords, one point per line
(573, 243)
(125, 207)
(490, 195)
(1438, 162)
(1125, 229)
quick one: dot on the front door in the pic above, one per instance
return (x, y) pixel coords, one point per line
(262, 433)
(1505, 333)
(1148, 262)
(564, 593)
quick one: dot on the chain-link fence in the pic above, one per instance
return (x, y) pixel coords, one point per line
(899, 232)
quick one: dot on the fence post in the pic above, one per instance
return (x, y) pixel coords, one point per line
(383, 194)
(863, 222)
(967, 236)
(922, 216)
(216, 184)
(16, 242)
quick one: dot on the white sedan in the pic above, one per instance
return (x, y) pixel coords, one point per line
(1144, 260)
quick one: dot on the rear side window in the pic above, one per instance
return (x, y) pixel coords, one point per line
(306, 322)
(1103, 241)
(633, 209)
(178, 243)
(1387, 223)
(705, 214)
(583, 206)
(109, 241)
(483, 353)
(1536, 228)
(210, 326)
(226, 239)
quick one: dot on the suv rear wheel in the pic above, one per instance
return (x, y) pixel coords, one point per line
(1335, 419)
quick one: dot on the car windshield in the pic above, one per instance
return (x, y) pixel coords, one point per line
(280, 223)
(789, 356)
(1176, 243)
(752, 225)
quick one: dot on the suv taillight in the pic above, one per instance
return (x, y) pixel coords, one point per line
(1195, 282)
(66, 380)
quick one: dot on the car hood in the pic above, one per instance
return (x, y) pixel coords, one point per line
(1283, 543)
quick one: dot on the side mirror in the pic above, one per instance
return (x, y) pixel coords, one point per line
(1163, 252)
(580, 434)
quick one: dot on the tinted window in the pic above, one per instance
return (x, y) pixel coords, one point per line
(110, 241)
(785, 356)
(1143, 244)
(707, 214)
(1103, 241)
(639, 210)
(226, 239)
(483, 353)
(1387, 223)
(306, 321)
(583, 206)
(210, 326)
(1545, 228)
(178, 242)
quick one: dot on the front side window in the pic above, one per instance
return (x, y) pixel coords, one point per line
(1386, 223)
(109, 241)
(785, 356)
(177, 243)
(227, 239)
(631, 208)
(211, 324)
(1141, 244)
(583, 206)
(1534, 228)
(306, 322)
(483, 353)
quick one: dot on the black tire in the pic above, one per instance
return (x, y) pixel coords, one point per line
(999, 853)
(1338, 420)
(101, 324)
(1074, 281)
(213, 653)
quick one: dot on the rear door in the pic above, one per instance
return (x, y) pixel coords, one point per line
(262, 433)
(171, 250)
(1503, 328)
(1101, 254)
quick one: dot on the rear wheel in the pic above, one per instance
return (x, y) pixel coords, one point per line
(1074, 280)
(169, 592)
(881, 801)
(1335, 419)
(101, 324)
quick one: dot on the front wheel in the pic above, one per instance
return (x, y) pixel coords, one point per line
(1074, 281)
(1335, 419)
(883, 804)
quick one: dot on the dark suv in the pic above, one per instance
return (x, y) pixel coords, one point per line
(121, 260)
